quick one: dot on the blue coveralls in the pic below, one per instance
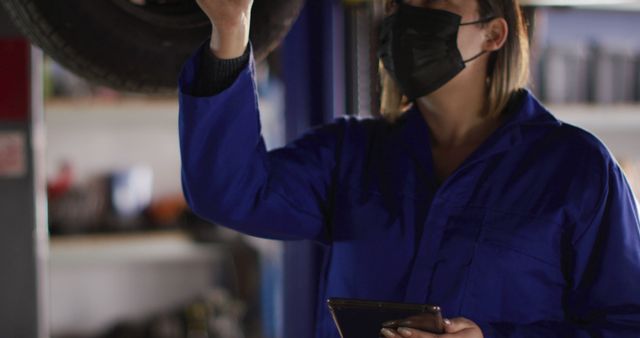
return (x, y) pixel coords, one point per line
(536, 234)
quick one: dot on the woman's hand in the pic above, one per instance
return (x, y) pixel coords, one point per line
(230, 20)
(454, 328)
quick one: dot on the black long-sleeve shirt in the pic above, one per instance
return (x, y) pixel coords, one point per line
(216, 75)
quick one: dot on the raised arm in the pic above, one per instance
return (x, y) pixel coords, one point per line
(231, 179)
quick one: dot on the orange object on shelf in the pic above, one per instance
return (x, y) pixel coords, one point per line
(166, 211)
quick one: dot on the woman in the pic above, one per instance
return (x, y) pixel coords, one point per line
(473, 198)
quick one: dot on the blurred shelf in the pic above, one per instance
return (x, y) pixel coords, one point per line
(128, 111)
(605, 118)
(98, 280)
(623, 5)
(132, 101)
(143, 247)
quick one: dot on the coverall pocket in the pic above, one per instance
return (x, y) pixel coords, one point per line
(459, 238)
(515, 255)
(536, 238)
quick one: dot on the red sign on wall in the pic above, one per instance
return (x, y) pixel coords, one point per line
(14, 80)
(13, 159)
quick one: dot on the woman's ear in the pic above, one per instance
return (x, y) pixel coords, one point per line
(497, 31)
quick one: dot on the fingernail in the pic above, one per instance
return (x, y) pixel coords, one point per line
(387, 333)
(404, 331)
(447, 322)
(406, 323)
(389, 323)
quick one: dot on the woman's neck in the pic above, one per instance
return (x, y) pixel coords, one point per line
(455, 113)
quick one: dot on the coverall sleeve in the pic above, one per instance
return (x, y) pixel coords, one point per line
(604, 300)
(228, 176)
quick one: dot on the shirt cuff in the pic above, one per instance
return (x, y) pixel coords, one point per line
(215, 75)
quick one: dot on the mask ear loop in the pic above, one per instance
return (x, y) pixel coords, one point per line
(483, 20)
(474, 57)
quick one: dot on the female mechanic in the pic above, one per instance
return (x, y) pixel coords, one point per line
(467, 194)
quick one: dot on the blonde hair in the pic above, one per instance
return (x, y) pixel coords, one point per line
(507, 71)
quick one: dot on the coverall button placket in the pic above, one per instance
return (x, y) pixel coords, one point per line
(435, 223)
(424, 261)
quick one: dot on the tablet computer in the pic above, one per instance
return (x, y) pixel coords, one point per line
(358, 318)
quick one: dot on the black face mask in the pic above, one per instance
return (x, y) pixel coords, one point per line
(419, 48)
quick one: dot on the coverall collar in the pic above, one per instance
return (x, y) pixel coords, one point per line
(527, 119)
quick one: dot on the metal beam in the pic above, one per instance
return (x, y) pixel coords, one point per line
(23, 224)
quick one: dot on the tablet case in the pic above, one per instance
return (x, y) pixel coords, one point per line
(358, 318)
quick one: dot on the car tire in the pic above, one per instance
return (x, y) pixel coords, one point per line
(136, 45)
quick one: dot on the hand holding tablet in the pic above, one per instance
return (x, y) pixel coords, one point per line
(358, 318)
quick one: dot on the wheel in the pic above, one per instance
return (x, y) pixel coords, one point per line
(136, 45)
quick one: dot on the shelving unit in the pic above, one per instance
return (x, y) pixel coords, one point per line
(607, 118)
(588, 23)
(625, 5)
(98, 280)
(142, 247)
